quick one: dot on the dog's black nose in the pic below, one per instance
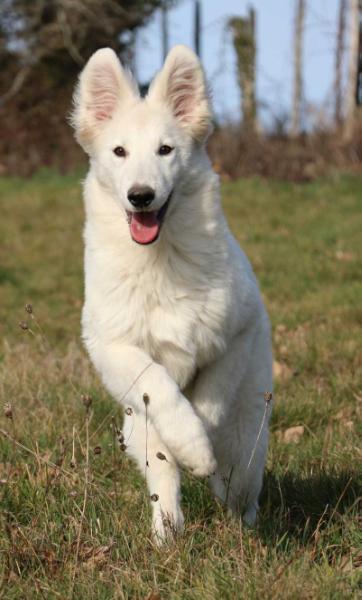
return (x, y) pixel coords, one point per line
(141, 196)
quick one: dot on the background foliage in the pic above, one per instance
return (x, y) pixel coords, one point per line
(43, 46)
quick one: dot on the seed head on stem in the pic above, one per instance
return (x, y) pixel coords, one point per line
(87, 400)
(8, 410)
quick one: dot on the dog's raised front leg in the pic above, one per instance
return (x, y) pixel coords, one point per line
(129, 373)
(158, 465)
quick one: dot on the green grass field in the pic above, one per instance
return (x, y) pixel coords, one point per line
(75, 519)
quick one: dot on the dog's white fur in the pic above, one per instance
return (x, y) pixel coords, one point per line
(182, 319)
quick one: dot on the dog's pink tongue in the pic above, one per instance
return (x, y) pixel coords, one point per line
(144, 227)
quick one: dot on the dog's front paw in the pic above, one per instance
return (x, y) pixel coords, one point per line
(167, 526)
(198, 457)
(183, 432)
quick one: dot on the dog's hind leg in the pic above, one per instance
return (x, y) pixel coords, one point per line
(232, 486)
(229, 396)
(162, 474)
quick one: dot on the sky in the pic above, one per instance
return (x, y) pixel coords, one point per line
(274, 21)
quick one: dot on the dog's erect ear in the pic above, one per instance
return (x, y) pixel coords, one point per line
(103, 86)
(181, 84)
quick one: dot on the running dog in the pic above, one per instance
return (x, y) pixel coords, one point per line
(173, 319)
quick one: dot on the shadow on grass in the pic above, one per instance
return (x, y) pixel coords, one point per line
(296, 506)
(291, 506)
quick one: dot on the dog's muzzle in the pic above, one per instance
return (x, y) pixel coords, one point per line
(145, 226)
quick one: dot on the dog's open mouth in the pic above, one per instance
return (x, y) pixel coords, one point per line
(145, 226)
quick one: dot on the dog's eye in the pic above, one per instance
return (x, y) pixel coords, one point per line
(164, 149)
(119, 151)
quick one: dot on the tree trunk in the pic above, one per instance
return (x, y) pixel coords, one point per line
(296, 121)
(351, 100)
(197, 28)
(244, 39)
(338, 64)
(164, 24)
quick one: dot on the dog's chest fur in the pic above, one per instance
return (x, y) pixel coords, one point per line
(169, 308)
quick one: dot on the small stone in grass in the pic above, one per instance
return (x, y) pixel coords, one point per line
(293, 434)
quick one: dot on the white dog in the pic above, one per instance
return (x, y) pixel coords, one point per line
(172, 307)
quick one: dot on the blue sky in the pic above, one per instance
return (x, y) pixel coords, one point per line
(275, 39)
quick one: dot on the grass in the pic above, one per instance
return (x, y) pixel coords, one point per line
(74, 510)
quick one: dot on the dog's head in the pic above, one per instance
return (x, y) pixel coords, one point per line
(141, 148)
